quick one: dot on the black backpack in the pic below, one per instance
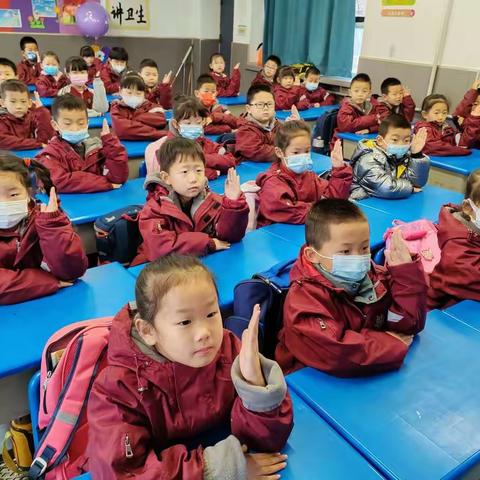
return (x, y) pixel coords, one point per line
(323, 132)
(118, 236)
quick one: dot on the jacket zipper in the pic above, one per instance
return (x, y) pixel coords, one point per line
(128, 446)
(45, 383)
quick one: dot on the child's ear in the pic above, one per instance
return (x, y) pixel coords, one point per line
(146, 331)
(310, 255)
(174, 124)
(196, 93)
(467, 208)
(54, 125)
(424, 114)
(279, 153)
(165, 177)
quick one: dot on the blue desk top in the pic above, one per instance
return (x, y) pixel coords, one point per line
(97, 122)
(26, 326)
(425, 204)
(461, 165)
(311, 114)
(353, 137)
(227, 101)
(26, 153)
(467, 312)
(48, 101)
(136, 148)
(422, 422)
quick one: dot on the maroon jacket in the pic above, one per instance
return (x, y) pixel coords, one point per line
(94, 69)
(160, 407)
(456, 277)
(261, 80)
(464, 108)
(406, 108)
(286, 197)
(105, 162)
(255, 143)
(227, 86)
(110, 78)
(285, 98)
(351, 118)
(31, 131)
(47, 86)
(86, 95)
(137, 123)
(221, 122)
(319, 95)
(165, 228)
(161, 94)
(46, 238)
(28, 72)
(441, 138)
(325, 329)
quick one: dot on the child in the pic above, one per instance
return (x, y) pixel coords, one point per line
(111, 72)
(393, 165)
(8, 70)
(395, 99)
(51, 79)
(187, 122)
(29, 69)
(134, 117)
(23, 125)
(77, 163)
(39, 251)
(357, 114)
(227, 86)
(160, 93)
(267, 75)
(219, 120)
(343, 314)
(173, 376)
(289, 187)
(182, 215)
(95, 99)
(316, 95)
(93, 63)
(287, 93)
(456, 277)
(443, 139)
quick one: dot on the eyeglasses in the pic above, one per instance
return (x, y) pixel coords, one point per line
(263, 105)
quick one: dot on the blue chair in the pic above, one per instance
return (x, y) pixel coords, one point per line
(379, 256)
(142, 169)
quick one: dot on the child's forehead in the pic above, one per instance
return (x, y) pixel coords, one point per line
(7, 67)
(313, 75)
(439, 106)
(76, 114)
(16, 94)
(217, 59)
(149, 69)
(30, 46)
(208, 86)
(401, 132)
(349, 231)
(394, 88)
(262, 97)
(360, 84)
(10, 181)
(186, 159)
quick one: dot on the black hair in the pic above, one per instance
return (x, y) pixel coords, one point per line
(50, 53)
(25, 40)
(312, 71)
(67, 102)
(75, 64)
(393, 121)
(254, 89)
(12, 85)
(389, 82)
(273, 58)
(147, 62)
(285, 71)
(289, 130)
(6, 62)
(118, 53)
(87, 51)
(203, 79)
(133, 80)
(174, 148)
(186, 107)
(361, 77)
(215, 55)
(430, 100)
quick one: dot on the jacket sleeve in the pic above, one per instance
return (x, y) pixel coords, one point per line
(218, 116)
(233, 87)
(217, 157)
(100, 102)
(217, 128)
(127, 129)
(301, 103)
(111, 86)
(438, 146)
(348, 122)
(10, 141)
(318, 337)
(116, 159)
(23, 73)
(283, 100)
(250, 145)
(43, 127)
(408, 108)
(418, 170)
(383, 110)
(61, 247)
(408, 288)
(163, 95)
(155, 120)
(339, 183)
(470, 132)
(233, 220)
(465, 106)
(48, 88)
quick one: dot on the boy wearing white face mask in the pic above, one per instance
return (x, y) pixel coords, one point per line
(39, 251)
(343, 314)
(111, 72)
(77, 162)
(95, 99)
(316, 95)
(393, 165)
(52, 79)
(289, 187)
(134, 117)
(457, 276)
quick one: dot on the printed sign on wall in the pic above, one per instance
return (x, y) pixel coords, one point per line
(129, 14)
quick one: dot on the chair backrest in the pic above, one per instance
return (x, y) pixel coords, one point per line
(323, 132)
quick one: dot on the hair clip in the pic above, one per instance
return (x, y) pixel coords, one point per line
(28, 162)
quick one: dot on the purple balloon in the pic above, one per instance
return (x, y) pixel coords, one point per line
(92, 19)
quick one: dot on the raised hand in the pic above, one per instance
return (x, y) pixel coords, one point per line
(52, 205)
(418, 140)
(398, 253)
(167, 78)
(294, 115)
(406, 92)
(337, 155)
(105, 128)
(237, 66)
(36, 99)
(220, 244)
(232, 185)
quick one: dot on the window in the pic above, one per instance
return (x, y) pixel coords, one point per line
(360, 7)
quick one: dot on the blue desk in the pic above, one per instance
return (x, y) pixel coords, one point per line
(48, 101)
(353, 137)
(213, 138)
(26, 326)
(422, 422)
(425, 204)
(97, 122)
(26, 153)
(246, 174)
(227, 101)
(311, 114)
(460, 165)
(467, 312)
(136, 148)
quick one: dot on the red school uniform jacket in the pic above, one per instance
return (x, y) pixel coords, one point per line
(221, 122)
(86, 95)
(255, 142)
(26, 133)
(137, 123)
(158, 408)
(352, 118)
(457, 276)
(90, 167)
(464, 108)
(441, 139)
(406, 108)
(227, 86)
(165, 228)
(161, 94)
(110, 78)
(285, 98)
(48, 86)
(260, 79)
(286, 197)
(319, 95)
(43, 239)
(28, 72)
(325, 329)
(94, 69)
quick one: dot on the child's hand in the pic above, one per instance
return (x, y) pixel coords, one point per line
(232, 185)
(208, 121)
(237, 66)
(294, 115)
(417, 189)
(105, 128)
(167, 78)
(406, 92)
(156, 110)
(406, 339)
(398, 253)
(316, 105)
(476, 85)
(116, 185)
(220, 244)
(476, 111)
(264, 465)
(297, 81)
(52, 205)
(249, 356)
(58, 76)
(418, 141)
(362, 132)
(337, 155)
(62, 284)
(36, 99)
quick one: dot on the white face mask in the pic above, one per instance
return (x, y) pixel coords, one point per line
(133, 101)
(13, 212)
(477, 213)
(118, 68)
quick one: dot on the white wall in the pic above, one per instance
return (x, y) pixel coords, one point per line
(248, 19)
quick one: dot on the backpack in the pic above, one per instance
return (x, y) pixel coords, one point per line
(421, 239)
(323, 132)
(117, 234)
(300, 69)
(268, 289)
(71, 360)
(250, 190)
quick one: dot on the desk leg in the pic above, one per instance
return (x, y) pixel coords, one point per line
(445, 179)
(133, 166)
(87, 234)
(348, 149)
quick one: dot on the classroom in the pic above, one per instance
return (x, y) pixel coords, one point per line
(239, 239)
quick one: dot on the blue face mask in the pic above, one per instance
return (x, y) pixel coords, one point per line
(75, 137)
(351, 268)
(50, 70)
(397, 151)
(31, 56)
(299, 163)
(311, 86)
(192, 132)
